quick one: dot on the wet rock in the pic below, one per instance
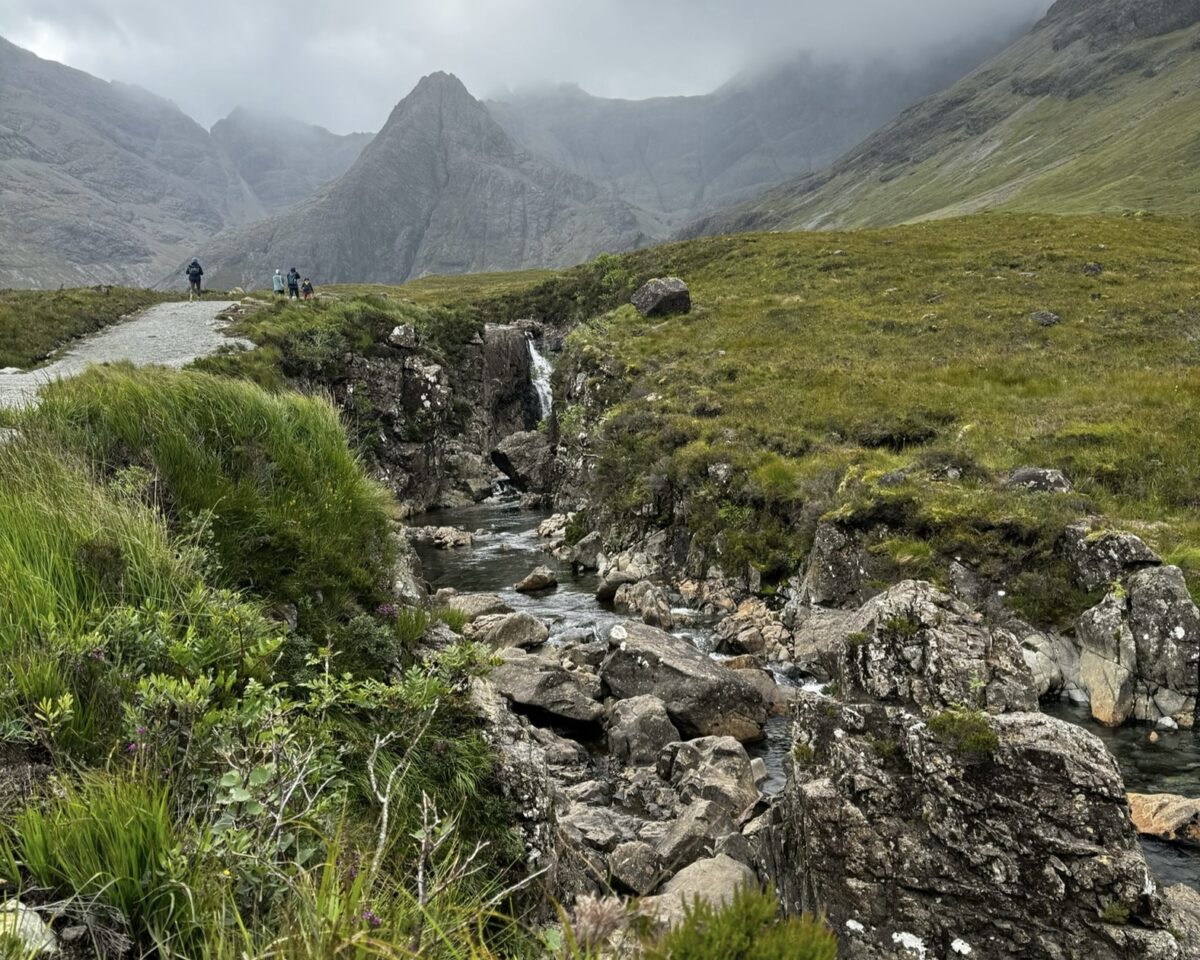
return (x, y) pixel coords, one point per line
(476, 605)
(717, 769)
(714, 881)
(22, 924)
(508, 630)
(527, 460)
(915, 644)
(1166, 816)
(1039, 480)
(539, 681)
(1099, 556)
(702, 697)
(540, 578)
(587, 552)
(834, 575)
(1023, 848)
(1140, 649)
(693, 834)
(444, 538)
(639, 729)
(647, 601)
(1044, 318)
(662, 296)
(635, 867)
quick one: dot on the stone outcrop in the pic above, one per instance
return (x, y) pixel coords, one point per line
(508, 630)
(753, 628)
(638, 730)
(915, 644)
(702, 697)
(662, 296)
(717, 769)
(646, 600)
(1166, 816)
(1039, 480)
(1014, 846)
(527, 460)
(1140, 650)
(1100, 556)
(835, 572)
(543, 683)
(476, 605)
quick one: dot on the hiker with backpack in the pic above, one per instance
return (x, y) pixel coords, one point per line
(306, 288)
(194, 272)
(293, 284)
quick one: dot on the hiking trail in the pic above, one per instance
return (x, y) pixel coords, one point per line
(171, 334)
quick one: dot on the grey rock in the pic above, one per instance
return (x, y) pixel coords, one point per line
(1100, 556)
(1016, 854)
(539, 578)
(444, 538)
(635, 867)
(717, 769)
(662, 296)
(476, 605)
(638, 730)
(1044, 318)
(693, 834)
(403, 336)
(586, 553)
(702, 697)
(1039, 480)
(527, 460)
(646, 600)
(535, 681)
(508, 630)
(22, 924)
(834, 575)
(600, 827)
(714, 881)
(917, 645)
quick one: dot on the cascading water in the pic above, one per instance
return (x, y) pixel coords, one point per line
(540, 376)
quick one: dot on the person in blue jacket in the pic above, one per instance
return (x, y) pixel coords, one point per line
(194, 272)
(277, 283)
(293, 284)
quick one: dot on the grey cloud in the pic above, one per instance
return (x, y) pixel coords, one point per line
(345, 64)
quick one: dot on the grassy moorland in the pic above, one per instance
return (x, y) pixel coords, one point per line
(890, 379)
(33, 323)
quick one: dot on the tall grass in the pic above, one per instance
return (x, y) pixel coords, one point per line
(288, 511)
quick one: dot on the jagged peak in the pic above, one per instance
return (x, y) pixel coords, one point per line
(1107, 22)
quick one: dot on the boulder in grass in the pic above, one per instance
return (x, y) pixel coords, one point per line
(662, 296)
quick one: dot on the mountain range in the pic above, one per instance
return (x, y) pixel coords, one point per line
(1094, 110)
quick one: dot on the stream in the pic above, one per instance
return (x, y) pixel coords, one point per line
(507, 547)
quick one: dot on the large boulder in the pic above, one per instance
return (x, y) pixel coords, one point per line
(508, 630)
(693, 834)
(662, 296)
(1099, 556)
(835, 572)
(639, 729)
(539, 578)
(542, 683)
(635, 867)
(1003, 836)
(1140, 650)
(915, 644)
(702, 697)
(714, 881)
(527, 460)
(712, 768)
(476, 605)
(1166, 816)
(647, 601)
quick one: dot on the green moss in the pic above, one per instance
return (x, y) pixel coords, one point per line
(1115, 913)
(803, 754)
(966, 732)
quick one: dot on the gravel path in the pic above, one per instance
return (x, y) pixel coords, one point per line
(171, 334)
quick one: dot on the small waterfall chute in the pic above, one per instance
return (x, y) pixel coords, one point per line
(540, 370)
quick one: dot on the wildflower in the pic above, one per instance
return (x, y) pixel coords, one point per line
(374, 921)
(597, 919)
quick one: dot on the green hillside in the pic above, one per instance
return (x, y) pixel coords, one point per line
(1070, 119)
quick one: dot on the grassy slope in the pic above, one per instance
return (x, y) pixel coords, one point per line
(820, 363)
(1022, 134)
(33, 323)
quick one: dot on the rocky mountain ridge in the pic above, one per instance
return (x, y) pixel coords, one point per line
(1088, 112)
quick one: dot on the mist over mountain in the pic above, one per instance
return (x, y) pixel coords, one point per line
(1093, 110)
(440, 189)
(284, 160)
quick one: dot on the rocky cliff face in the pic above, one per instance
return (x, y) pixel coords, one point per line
(283, 160)
(441, 189)
(101, 182)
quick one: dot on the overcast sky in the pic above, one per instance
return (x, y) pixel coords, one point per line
(345, 63)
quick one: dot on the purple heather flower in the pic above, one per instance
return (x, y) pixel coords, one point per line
(373, 919)
(386, 611)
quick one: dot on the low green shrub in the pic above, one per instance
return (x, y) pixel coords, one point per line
(966, 732)
(748, 928)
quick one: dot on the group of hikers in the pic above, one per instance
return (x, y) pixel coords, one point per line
(295, 286)
(291, 283)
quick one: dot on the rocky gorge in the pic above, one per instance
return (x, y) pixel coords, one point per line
(915, 796)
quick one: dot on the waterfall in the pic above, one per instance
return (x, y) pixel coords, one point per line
(540, 376)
